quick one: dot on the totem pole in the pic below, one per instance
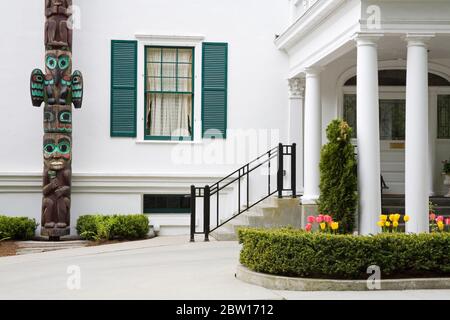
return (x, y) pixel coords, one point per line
(58, 89)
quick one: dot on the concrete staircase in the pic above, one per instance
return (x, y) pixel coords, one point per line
(270, 213)
(396, 204)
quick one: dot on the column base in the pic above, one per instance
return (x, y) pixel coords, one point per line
(310, 199)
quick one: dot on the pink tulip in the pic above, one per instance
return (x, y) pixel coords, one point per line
(328, 219)
(311, 219)
(308, 227)
(319, 218)
(432, 216)
(440, 218)
(447, 221)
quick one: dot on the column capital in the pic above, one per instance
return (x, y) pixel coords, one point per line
(296, 88)
(419, 39)
(313, 71)
(367, 39)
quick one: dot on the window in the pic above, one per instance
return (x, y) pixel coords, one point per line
(392, 117)
(154, 203)
(350, 112)
(169, 93)
(443, 106)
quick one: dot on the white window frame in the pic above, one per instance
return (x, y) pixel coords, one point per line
(194, 41)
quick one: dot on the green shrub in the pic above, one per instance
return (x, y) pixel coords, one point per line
(297, 253)
(102, 227)
(17, 228)
(338, 177)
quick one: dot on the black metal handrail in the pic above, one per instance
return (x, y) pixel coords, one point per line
(236, 176)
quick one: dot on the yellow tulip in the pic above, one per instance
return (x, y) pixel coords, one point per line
(441, 225)
(335, 225)
(323, 225)
(397, 217)
(380, 224)
(392, 217)
(388, 224)
(406, 218)
(383, 217)
(395, 224)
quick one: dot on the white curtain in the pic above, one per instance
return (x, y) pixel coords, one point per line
(169, 114)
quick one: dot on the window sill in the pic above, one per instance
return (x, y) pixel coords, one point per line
(167, 142)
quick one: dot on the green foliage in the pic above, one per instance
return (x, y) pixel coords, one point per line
(297, 253)
(338, 177)
(102, 227)
(17, 228)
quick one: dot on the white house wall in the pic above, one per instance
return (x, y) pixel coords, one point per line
(257, 97)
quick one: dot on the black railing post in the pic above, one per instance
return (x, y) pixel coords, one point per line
(206, 211)
(294, 170)
(280, 172)
(193, 196)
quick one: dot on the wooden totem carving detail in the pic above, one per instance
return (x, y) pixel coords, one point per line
(58, 88)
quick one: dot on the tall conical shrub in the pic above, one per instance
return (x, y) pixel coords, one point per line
(338, 177)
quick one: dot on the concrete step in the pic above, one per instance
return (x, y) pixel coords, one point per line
(29, 247)
(270, 213)
(223, 235)
(440, 201)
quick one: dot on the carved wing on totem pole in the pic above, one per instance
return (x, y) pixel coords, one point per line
(37, 87)
(77, 89)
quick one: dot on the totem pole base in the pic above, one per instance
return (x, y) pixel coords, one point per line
(53, 233)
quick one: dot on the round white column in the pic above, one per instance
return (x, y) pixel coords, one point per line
(295, 131)
(312, 136)
(368, 130)
(416, 163)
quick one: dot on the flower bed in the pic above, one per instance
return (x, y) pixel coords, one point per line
(297, 253)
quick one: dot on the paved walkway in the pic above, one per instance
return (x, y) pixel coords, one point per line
(160, 268)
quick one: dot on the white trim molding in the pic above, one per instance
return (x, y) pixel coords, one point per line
(306, 22)
(130, 183)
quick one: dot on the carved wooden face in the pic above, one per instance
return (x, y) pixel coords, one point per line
(58, 63)
(58, 119)
(57, 151)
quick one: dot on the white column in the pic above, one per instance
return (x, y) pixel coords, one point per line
(295, 131)
(416, 163)
(312, 136)
(369, 184)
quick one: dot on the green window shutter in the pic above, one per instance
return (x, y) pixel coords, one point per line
(214, 89)
(123, 88)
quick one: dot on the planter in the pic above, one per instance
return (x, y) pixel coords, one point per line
(304, 284)
(447, 183)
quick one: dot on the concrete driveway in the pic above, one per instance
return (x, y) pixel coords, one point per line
(160, 268)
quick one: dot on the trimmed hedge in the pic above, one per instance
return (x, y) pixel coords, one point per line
(102, 227)
(297, 253)
(17, 228)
